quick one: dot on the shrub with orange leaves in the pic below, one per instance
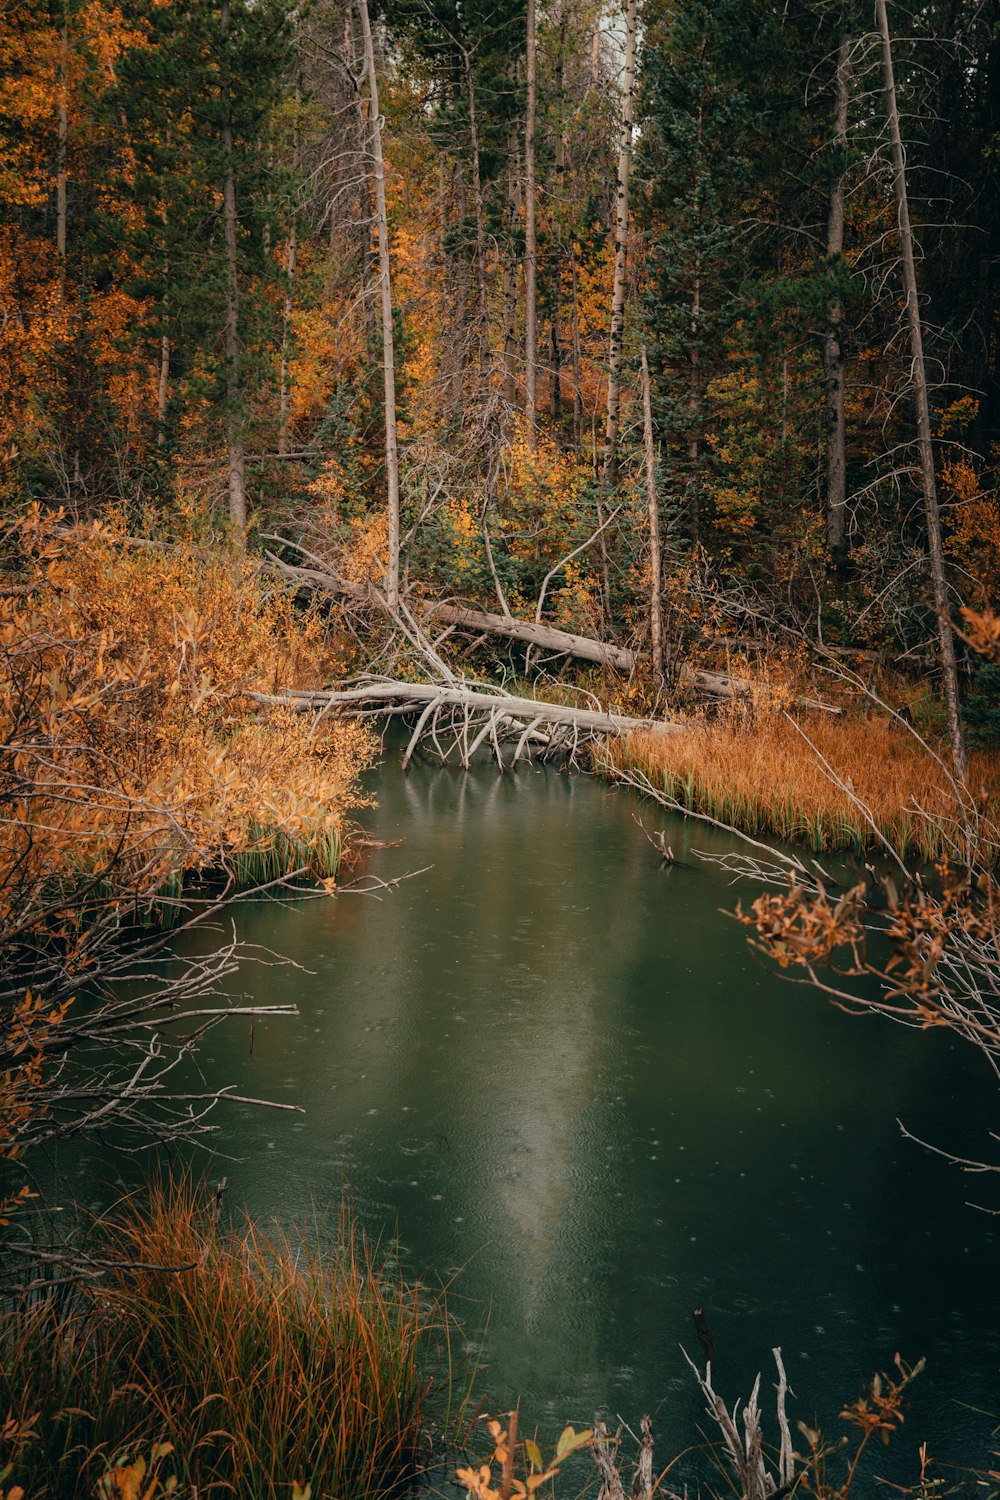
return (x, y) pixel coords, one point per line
(132, 726)
(138, 752)
(480, 1482)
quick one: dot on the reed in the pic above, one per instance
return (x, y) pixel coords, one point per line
(765, 778)
(263, 1361)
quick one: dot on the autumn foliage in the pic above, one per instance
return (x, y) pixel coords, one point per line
(134, 739)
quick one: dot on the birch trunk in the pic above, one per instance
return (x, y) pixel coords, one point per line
(833, 354)
(932, 515)
(621, 252)
(595, 53)
(235, 457)
(655, 563)
(530, 233)
(385, 294)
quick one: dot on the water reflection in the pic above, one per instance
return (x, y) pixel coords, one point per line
(557, 1067)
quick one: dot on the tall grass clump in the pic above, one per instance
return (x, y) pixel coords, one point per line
(263, 1361)
(764, 777)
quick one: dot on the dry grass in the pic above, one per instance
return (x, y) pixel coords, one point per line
(265, 1362)
(764, 777)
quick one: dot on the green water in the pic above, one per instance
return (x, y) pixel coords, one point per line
(555, 1069)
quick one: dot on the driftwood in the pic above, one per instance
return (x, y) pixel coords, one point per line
(745, 1453)
(532, 633)
(606, 1455)
(469, 716)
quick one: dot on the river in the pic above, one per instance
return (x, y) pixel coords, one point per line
(557, 1072)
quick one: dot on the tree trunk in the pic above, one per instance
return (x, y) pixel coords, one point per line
(385, 293)
(163, 392)
(61, 152)
(946, 638)
(530, 233)
(459, 300)
(833, 354)
(387, 696)
(655, 564)
(531, 633)
(284, 392)
(510, 288)
(595, 52)
(482, 302)
(621, 252)
(577, 359)
(694, 400)
(364, 188)
(236, 462)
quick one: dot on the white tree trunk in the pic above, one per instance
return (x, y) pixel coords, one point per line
(385, 293)
(530, 233)
(652, 501)
(621, 251)
(235, 457)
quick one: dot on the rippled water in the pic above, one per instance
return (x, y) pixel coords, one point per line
(555, 1068)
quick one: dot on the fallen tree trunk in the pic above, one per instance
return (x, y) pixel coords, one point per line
(408, 694)
(470, 714)
(544, 637)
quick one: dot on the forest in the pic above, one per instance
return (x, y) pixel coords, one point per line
(605, 390)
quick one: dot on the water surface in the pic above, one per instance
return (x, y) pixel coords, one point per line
(557, 1071)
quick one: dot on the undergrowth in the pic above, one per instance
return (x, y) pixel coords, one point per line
(763, 777)
(265, 1362)
(136, 727)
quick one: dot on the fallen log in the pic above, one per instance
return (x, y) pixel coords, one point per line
(544, 637)
(403, 694)
(469, 714)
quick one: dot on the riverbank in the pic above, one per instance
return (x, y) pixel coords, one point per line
(832, 784)
(204, 1359)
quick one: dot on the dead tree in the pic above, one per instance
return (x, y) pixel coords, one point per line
(236, 460)
(744, 1452)
(928, 483)
(456, 717)
(532, 633)
(652, 501)
(833, 353)
(385, 295)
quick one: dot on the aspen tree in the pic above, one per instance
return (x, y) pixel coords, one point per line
(621, 251)
(530, 232)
